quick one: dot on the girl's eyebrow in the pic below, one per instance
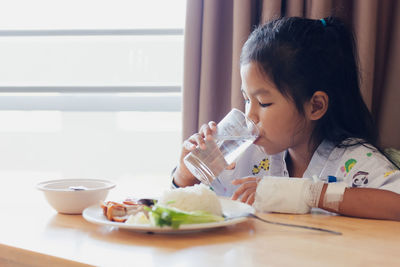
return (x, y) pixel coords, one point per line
(262, 91)
(259, 91)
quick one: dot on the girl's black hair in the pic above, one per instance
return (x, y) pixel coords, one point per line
(303, 56)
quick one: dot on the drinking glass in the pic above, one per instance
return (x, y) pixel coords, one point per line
(235, 133)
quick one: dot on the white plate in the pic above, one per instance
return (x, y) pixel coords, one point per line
(95, 215)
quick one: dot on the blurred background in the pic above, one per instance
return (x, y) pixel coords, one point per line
(90, 89)
(108, 89)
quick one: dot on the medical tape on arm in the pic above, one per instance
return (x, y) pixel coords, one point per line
(334, 195)
(314, 193)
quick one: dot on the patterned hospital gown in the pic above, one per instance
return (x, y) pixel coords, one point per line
(358, 166)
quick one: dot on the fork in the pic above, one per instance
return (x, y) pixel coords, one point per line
(251, 215)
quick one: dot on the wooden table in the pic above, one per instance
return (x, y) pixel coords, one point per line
(32, 234)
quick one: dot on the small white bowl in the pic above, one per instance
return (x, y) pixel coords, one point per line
(72, 196)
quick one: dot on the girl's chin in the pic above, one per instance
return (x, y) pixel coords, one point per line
(261, 143)
(268, 149)
(258, 142)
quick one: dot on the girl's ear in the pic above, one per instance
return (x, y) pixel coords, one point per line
(317, 105)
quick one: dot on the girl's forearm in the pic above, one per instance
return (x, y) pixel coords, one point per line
(183, 180)
(367, 203)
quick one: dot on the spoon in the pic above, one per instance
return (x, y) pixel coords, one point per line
(251, 215)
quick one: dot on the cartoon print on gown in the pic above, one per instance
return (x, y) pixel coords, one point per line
(389, 173)
(264, 164)
(360, 179)
(348, 165)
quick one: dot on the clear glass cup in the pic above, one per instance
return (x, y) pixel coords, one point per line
(235, 133)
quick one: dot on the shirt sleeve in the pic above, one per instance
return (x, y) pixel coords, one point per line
(365, 166)
(173, 184)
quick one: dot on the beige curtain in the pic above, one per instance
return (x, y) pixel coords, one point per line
(216, 30)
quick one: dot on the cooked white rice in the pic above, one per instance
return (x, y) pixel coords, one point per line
(192, 198)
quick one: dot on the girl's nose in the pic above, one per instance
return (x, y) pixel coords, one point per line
(254, 119)
(251, 114)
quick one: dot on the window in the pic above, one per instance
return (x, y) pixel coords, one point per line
(89, 88)
(91, 55)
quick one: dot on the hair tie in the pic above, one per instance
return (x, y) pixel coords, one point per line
(323, 22)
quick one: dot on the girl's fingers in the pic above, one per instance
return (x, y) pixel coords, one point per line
(213, 127)
(188, 145)
(242, 189)
(251, 198)
(206, 131)
(246, 194)
(245, 180)
(231, 166)
(193, 141)
(198, 139)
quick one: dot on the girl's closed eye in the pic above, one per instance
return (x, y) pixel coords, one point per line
(265, 105)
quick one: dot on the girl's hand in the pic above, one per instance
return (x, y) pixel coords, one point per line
(246, 190)
(183, 177)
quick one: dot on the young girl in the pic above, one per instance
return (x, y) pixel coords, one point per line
(300, 85)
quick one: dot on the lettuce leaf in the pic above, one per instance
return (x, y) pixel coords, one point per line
(161, 215)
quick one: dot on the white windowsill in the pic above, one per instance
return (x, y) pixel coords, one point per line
(91, 101)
